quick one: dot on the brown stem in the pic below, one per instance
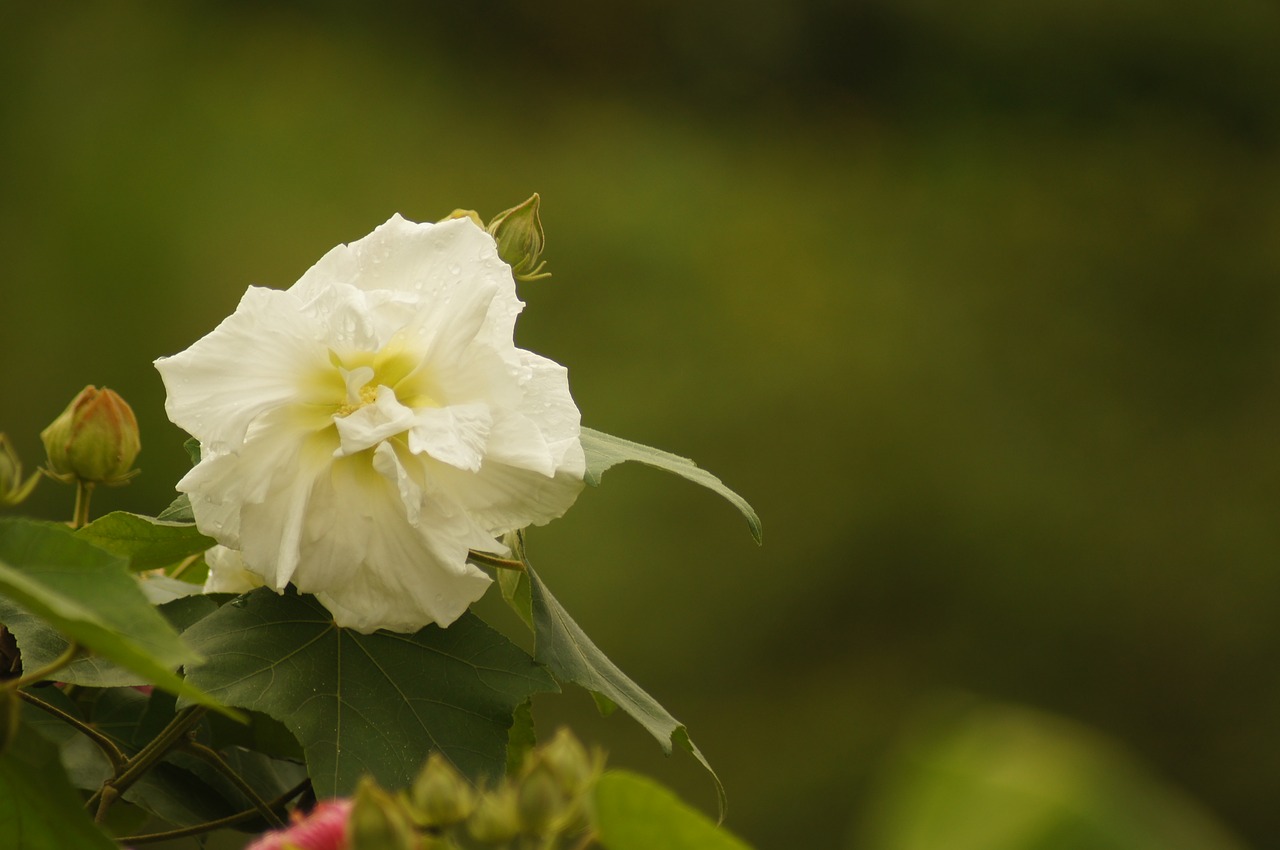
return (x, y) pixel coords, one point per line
(215, 760)
(487, 560)
(68, 655)
(108, 747)
(229, 820)
(156, 748)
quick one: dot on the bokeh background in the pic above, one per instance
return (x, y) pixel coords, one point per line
(977, 303)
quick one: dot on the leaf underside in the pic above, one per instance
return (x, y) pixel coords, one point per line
(605, 451)
(147, 543)
(567, 651)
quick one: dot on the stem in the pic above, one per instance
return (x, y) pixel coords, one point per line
(84, 492)
(169, 737)
(108, 747)
(182, 567)
(229, 820)
(68, 655)
(215, 759)
(488, 560)
(586, 840)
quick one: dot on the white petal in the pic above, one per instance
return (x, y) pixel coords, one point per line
(373, 423)
(435, 260)
(504, 498)
(454, 435)
(265, 354)
(227, 573)
(256, 499)
(411, 574)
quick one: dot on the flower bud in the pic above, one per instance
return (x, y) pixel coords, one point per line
(496, 819)
(13, 490)
(471, 214)
(518, 232)
(95, 440)
(378, 822)
(567, 760)
(440, 796)
(541, 802)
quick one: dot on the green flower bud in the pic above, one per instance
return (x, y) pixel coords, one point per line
(13, 490)
(471, 214)
(440, 796)
(95, 440)
(378, 821)
(567, 760)
(496, 819)
(541, 802)
(518, 232)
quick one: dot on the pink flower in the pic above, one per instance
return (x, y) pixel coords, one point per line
(324, 829)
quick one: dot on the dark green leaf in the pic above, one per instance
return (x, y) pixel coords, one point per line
(183, 790)
(88, 596)
(147, 543)
(39, 808)
(179, 510)
(566, 650)
(605, 451)
(635, 813)
(374, 704)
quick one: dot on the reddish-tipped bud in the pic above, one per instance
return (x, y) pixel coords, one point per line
(95, 440)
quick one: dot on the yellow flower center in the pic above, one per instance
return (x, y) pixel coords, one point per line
(368, 394)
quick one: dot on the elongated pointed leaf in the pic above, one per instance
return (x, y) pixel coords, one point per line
(374, 704)
(39, 810)
(635, 813)
(145, 542)
(605, 451)
(561, 644)
(88, 596)
(179, 510)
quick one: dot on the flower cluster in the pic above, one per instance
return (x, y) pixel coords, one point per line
(545, 804)
(363, 430)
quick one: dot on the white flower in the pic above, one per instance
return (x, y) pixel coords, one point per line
(227, 573)
(362, 430)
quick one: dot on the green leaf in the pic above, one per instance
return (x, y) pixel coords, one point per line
(147, 543)
(179, 510)
(991, 777)
(41, 643)
(515, 589)
(635, 813)
(561, 644)
(375, 704)
(522, 737)
(89, 597)
(39, 809)
(605, 451)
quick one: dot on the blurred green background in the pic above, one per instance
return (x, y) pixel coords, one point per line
(976, 303)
